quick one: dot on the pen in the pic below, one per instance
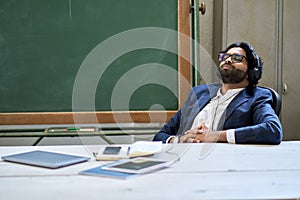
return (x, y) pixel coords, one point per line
(53, 130)
(72, 129)
(128, 150)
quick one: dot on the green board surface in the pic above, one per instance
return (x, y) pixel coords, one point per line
(44, 43)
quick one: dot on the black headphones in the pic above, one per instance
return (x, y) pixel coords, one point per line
(255, 72)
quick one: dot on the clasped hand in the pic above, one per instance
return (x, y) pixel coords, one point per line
(202, 134)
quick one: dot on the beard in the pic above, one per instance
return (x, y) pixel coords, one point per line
(233, 75)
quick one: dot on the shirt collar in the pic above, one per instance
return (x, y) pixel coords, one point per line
(229, 92)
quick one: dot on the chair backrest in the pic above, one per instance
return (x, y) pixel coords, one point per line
(276, 100)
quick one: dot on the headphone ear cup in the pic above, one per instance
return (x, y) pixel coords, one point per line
(255, 72)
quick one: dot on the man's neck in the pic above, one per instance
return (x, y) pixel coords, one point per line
(226, 87)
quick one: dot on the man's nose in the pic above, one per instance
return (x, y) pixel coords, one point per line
(228, 60)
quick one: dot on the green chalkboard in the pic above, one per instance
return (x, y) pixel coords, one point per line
(44, 43)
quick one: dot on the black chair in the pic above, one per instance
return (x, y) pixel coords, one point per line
(276, 100)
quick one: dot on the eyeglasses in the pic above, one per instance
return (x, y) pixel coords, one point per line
(236, 58)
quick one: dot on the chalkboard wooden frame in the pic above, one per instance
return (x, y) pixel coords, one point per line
(37, 118)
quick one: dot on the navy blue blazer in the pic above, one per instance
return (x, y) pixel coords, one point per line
(252, 116)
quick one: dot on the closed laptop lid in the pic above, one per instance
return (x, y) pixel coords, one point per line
(45, 159)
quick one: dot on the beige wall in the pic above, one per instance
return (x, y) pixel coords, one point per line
(273, 28)
(291, 68)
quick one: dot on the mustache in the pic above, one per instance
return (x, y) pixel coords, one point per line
(233, 67)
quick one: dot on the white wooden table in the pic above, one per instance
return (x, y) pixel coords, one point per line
(205, 171)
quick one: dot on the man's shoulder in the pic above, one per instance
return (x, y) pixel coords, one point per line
(259, 90)
(208, 90)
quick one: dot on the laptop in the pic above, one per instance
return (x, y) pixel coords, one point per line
(45, 159)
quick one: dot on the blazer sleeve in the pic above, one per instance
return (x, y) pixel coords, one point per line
(169, 129)
(266, 127)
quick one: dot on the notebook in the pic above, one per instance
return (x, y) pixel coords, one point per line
(137, 149)
(98, 171)
(45, 159)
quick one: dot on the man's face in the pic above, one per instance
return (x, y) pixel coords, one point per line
(233, 66)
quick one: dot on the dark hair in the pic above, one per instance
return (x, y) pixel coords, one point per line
(255, 63)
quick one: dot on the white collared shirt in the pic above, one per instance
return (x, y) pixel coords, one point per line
(211, 114)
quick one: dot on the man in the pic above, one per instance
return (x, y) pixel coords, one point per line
(235, 111)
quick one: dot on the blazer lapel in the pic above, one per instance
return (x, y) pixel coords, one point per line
(210, 93)
(196, 103)
(234, 104)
